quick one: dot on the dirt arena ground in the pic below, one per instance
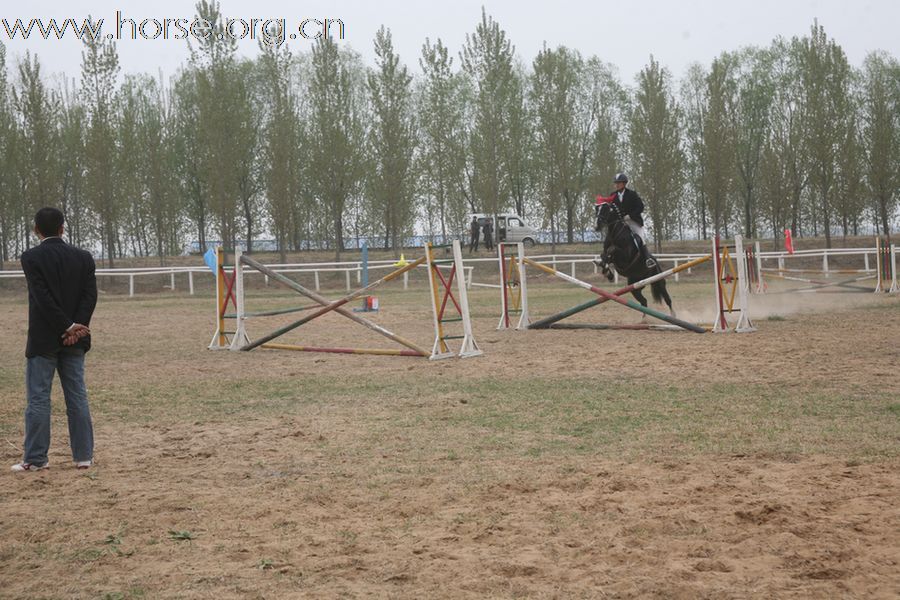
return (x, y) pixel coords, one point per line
(561, 464)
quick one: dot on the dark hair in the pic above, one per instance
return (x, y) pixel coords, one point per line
(48, 220)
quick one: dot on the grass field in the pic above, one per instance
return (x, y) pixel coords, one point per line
(565, 464)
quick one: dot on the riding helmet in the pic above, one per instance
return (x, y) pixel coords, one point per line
(620, 178)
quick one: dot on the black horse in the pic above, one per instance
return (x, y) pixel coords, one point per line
(622, 250)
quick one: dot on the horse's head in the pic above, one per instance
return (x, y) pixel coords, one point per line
(603, 212)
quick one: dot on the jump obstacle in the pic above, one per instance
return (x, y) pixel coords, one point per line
(230, 290)
(885, 273)
(886, 266)
(730, 276)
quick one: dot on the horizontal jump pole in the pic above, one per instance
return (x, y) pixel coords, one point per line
(635, 327)
(546, 322)
(819, 282)
(377, 351)
(272, 313)
(818, 271)
(329, 305)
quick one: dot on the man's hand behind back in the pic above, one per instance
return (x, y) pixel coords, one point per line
(75, 333)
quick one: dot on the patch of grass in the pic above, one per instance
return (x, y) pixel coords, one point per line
(557, 416)
(776, 318)
(265, 564)
(181, 536)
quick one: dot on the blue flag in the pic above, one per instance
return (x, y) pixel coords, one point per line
(210, 259)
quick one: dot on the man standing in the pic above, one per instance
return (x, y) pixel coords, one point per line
(62, 294)
(489, 233)
(475, 230)
(632, 206)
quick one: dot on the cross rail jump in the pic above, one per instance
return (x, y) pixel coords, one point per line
(230, 290)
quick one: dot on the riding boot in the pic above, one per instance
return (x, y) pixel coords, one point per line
(648, 260)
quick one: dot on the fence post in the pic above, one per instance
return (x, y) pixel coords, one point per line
(131, 285)
(191, 282)
(825, 262)
(172, 279)
(676, 272)
(316, 273)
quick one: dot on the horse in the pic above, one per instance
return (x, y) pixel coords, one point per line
(621, 250)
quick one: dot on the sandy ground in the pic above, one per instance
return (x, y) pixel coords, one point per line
(343, 496)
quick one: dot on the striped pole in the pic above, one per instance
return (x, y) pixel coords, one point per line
(548, 321)
(332, 306)
(375, 351)
(760, 282)
(610, 296)
(440, 349)
(219, 340)
(504, 287)
(879, 266)
(634, 327)
(894, 288)
(721, 324)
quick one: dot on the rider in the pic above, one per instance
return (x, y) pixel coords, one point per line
(631, 206)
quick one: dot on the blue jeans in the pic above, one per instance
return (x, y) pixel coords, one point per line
(69, 363)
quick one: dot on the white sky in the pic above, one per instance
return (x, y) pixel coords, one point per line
(624, 33)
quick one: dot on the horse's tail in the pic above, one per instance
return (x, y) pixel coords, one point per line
(657, 289)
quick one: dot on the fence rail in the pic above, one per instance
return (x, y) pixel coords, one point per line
(351, 268)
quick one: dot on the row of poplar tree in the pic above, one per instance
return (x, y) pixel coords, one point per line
(317, 148)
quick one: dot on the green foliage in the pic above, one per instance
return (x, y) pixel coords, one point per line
(442, 159)
(826, 116)
(487, 59)
(391, 143)
(312, 147)
(656, 148)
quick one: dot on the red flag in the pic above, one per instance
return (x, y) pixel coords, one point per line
(602, 199)
(788, 241)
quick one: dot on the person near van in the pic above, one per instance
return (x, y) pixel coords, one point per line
(475, 231)
(632, 207)
(489, 234)
(62, 294)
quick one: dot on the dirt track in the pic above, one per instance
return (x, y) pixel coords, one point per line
(763, 465)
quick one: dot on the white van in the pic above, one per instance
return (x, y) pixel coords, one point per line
(509, 227)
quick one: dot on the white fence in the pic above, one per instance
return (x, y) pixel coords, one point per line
(352, 270)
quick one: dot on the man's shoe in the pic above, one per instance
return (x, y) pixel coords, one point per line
(84, 464)
(24, 466)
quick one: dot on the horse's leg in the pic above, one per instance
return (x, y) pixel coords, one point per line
(664, 293)
(639, 296)
(605, 264)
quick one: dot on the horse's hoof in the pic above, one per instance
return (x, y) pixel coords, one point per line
(609, 276)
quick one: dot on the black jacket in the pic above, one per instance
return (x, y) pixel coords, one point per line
(632, 205)
(62, 290)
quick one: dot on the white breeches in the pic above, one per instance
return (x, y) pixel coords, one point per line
(638, 229)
